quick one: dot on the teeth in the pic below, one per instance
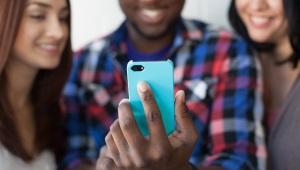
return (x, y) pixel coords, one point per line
(259, 20)
(151, 13)
(49, 47)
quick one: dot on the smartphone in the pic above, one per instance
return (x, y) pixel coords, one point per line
(159, 76)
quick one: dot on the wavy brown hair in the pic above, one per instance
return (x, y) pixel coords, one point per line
(45, 93)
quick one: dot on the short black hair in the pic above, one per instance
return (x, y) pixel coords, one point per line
(292, 14)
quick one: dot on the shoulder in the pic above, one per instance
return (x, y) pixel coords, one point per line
(224, 36)
(225, 42)
(93, 54)
(203, 33)
(94, 47)
(220, 47)
(103, 46)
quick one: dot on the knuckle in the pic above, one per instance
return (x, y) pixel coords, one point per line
(141, 164)
(116, 159)
(161, 156)
(108, 138)
(147, 96)
(114, 127)
(126, 122)
(126, 164)
(153, 116)
(139, 159)
(105, 163)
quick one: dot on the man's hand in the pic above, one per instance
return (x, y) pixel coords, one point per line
(128, 149)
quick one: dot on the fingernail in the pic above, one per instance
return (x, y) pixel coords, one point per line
(123, 101)
(182, 95)
(142, 86)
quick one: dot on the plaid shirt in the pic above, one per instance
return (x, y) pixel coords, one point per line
(214, 68)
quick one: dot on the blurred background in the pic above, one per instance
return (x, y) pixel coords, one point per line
(92, 19)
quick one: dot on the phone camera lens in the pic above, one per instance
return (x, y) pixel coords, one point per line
(137, 68)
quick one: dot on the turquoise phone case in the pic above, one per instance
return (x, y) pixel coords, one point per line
(159, 75)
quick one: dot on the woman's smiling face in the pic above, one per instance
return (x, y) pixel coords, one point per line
(264, 19)
(42, 34)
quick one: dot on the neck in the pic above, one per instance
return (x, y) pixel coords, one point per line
(281, 53)
(149, 45)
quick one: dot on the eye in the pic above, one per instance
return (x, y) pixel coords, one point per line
(64, 16)
(38, 17)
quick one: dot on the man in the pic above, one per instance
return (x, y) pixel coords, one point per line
(213, 68)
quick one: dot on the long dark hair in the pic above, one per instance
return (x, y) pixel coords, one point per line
(45, 93)
(291, 12)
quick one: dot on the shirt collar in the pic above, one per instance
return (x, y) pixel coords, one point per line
(186, 31)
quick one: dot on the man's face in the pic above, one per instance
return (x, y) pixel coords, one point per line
(151, 19)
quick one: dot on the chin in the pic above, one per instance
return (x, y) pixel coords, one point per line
(49, 66)
(260, 38)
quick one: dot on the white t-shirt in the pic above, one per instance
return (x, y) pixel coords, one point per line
(44, 161)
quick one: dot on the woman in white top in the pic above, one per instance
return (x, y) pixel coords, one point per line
(35, 56)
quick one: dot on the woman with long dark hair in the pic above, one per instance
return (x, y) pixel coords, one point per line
(35, 56)
(272, 27)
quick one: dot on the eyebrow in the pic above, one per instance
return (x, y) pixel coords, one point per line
(44, 5)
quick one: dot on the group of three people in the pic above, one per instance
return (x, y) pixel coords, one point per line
(244, 82)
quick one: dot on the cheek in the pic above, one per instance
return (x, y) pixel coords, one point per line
(241, 6)
(27, 36)
(66, 31)
(126, 6)
(23, 43)
(241, 9)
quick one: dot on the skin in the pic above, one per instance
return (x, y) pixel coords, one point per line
(39, 44)
(151, 22)
(127, 149)
(264, 19)
(265, 22)
(130, 150)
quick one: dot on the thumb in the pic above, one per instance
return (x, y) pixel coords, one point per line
(183, 118)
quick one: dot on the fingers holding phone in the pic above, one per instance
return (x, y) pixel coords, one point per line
(145, 135)
(138, 152)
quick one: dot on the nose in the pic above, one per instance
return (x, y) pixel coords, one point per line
(55, 29)
(258, 4)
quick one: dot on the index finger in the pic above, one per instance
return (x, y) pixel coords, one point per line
(153, 115)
